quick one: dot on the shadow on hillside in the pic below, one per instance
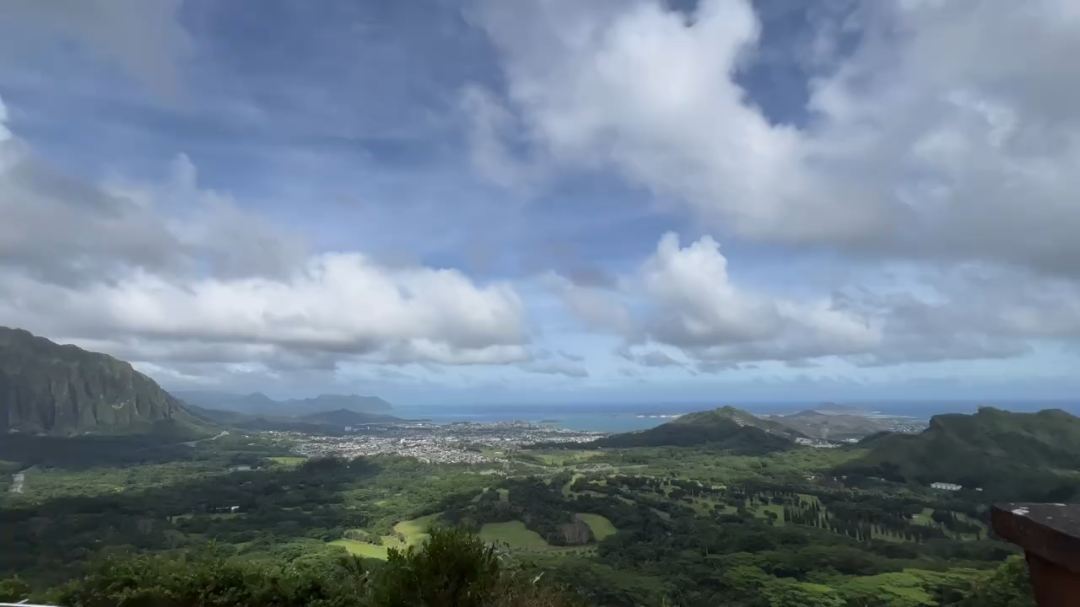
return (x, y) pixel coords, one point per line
(82, 452)
(260, 509)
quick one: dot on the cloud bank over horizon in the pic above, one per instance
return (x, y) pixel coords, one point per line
(450, 202)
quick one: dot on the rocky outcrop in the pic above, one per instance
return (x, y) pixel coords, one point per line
(62, 389)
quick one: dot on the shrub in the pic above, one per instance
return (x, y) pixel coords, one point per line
(452, 569)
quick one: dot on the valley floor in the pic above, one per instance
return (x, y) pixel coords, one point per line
(684, 526)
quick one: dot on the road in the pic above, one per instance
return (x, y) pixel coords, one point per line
(196, 442)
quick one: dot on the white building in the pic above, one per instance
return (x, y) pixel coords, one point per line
(946, 486)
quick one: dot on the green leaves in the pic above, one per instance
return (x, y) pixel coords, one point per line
(453, 569)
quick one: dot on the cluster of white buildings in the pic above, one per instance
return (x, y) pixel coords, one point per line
(459, 443)
(815, 443)
(427, 449)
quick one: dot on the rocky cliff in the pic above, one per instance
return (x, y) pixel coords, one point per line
(62, 389)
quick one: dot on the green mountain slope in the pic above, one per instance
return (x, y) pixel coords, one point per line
(1010, 455)
(724, 428)
(833, 426)
(62, 389)
(741, 418)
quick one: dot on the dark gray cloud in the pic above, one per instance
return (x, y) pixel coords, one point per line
(67, 231)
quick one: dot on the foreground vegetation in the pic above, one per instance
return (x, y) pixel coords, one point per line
(451, 568)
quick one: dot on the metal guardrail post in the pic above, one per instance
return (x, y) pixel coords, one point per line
(1050, 537)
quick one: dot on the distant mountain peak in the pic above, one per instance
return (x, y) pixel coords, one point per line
(260, 404)
(727, 428)
(345, 417)
(834, 424)
(809, 413)
(352, 402)
(739, 417)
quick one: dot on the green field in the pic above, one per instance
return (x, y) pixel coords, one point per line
(410, 532)
(565, 457)
(405, 534)
(288, 460)
(43, 483)
(923, 518)
(513, 533)
(600, 525)
(778, 511)
(365, 550)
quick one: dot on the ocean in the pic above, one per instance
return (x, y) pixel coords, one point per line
(609, 417)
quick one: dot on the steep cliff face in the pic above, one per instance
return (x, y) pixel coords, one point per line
(49, 388)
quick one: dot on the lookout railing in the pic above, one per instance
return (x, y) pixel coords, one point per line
(1050, 537)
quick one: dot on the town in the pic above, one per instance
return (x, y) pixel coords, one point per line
(456, 443)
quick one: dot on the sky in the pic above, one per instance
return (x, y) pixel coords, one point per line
(550, 201)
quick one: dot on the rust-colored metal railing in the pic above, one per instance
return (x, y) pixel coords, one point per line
(1050, 537)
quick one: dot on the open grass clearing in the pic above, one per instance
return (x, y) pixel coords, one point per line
(288, 461)
(513, 533)
(566, 489)
(760, 510)
(600, 525)
(924, 518)
(365, 550)
(406, 533)
(413, 531)
(565, 457)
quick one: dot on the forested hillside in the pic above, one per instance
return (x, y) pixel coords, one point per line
(726, 428)
(62, 389)
(1030, 456)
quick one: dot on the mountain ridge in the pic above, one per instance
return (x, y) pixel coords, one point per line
(1007, 453)
(820, 424)
(726, 428)
(259, 404)
(61, 389)
(320, 422)
(346, 417)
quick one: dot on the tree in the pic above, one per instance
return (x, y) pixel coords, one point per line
(1007, 586)
(452, 569)
(13, 590)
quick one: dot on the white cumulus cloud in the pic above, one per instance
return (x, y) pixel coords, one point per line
(694, 305)
(950, 130)
(174, 274)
